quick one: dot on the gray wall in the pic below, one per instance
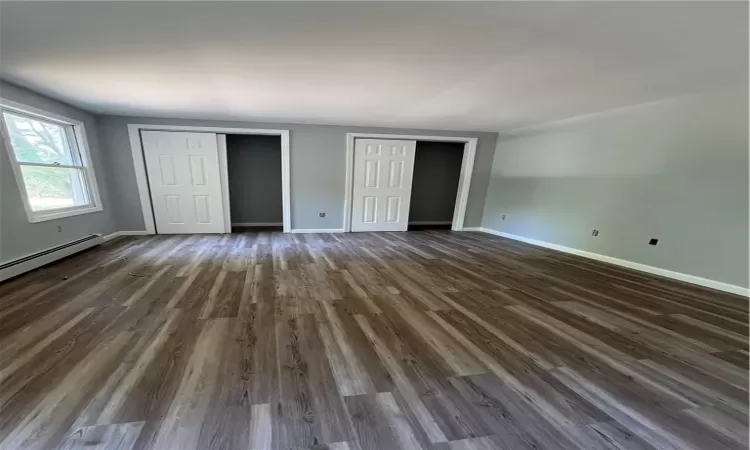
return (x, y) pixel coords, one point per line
(317, 154)
(254, 166)
(675, 170)
(18, 237)
(437, 169)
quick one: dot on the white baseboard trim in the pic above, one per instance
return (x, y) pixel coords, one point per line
(718, 285)
(117, 234)
(23, 264)
(257, 224)
(432, 222)
(321, 230)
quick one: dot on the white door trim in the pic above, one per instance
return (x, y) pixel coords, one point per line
(224, 175)
(139, 165)
(464, 181)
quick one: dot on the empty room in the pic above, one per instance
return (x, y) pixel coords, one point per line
(374, 225)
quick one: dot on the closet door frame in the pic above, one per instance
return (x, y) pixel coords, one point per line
(464, 181)
(139, 165)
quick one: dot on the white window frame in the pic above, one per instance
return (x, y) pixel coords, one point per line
(79, 133)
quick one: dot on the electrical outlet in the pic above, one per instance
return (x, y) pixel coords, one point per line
(503, 216)
(653, 241)
(595, 233)
(321, 214)
(59, 228)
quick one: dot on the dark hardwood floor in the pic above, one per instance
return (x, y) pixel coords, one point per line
(432, 340)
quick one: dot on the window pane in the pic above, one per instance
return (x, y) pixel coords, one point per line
(54, 187)
(35, 141)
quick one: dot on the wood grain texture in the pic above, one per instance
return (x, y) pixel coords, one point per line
(420, 340)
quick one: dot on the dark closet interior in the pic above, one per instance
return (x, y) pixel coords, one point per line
(437, 169)
(254, 168)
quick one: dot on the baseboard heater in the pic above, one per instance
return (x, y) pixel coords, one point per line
(24, 264)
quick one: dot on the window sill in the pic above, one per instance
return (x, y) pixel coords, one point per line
(61, 214)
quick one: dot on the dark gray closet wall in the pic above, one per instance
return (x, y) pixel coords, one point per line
(437, 168)
(254, 166)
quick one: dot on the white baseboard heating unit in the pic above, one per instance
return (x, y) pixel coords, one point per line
(23, 264)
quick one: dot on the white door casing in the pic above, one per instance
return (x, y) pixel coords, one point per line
(184, 179)
(381, 191)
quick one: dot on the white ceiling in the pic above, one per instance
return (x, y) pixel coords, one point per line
(471, 66)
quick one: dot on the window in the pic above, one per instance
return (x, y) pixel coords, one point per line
(51, 163)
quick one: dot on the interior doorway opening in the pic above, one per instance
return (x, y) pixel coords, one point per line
(182, 177)
(254, 172)
(379, 172)
(437, 170)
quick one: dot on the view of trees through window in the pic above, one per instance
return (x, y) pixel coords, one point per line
(50, 166)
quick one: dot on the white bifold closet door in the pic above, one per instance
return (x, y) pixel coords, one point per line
(382, 184)
(183, 176)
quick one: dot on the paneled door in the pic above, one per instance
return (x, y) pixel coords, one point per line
(382, 184)
(183, 176)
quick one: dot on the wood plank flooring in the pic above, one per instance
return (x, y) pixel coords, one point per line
(418, 340)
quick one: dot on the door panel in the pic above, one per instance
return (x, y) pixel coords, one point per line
(382, 184)
(197, 170)
(372, 173)
(183, 174)
(396, 176)
(393, 210)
